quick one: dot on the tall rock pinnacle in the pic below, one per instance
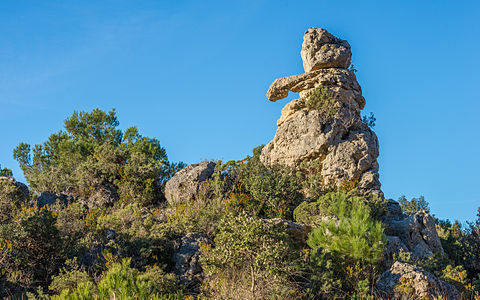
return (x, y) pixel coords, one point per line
(325, 124)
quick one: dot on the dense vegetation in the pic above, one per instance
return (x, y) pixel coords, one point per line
(94, 224)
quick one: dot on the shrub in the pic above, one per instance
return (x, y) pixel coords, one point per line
(369, 120)
(264, 192)
(5, 172)
(36, 248)
(70, 277)
(120, 281)
(123, 282)
(322, 100)
(414, 205)
(250, 259)
(314, 212)
(11, 199)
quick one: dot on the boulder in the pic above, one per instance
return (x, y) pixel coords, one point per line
(51, 198)
(188, 183)
(404, 281)
(320, 49)
(186, 258)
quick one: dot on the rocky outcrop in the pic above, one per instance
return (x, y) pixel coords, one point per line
(415, 233)
(188, 183)
(331, 132)
(20, 187)
(186, 259)
(51, 198)
(320, 50)
(404, 281)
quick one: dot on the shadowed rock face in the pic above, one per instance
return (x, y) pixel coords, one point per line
(346, 147)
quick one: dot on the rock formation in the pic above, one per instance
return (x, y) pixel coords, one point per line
(325, 124)
(415, 233)
(186, 258)
(404, 281)
(187, 183)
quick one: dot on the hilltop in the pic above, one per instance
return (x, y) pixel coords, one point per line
(106, 215)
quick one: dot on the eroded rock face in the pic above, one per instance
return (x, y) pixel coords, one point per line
(404, 281)
(321, 50)
(187, 184)
(416, 233)
(335, 135)
(186, 259)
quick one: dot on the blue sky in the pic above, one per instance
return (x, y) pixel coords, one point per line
(194, 75)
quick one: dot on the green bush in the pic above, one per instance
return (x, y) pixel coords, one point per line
(250, 258)
(5, 172)
(322, 100)
(123, 282)
(36, 248)
(120, 281)
(94, 160)
(249, 185)
(414, 205)
(69, 278)
(12, 198)
(314, 212)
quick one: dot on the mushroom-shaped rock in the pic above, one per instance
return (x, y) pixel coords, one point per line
(325, 123)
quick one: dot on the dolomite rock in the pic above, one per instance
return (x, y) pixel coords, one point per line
(416, 232)
(416, 283)
(335, 135)
(187, 184)
(321, 50)
(186, 259)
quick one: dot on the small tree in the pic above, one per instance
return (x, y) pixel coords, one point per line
(414, 205)
(348, 244)
(249, 256)
(5, 172)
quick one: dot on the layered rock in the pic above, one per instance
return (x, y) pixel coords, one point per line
(404, 281)
(334, 133)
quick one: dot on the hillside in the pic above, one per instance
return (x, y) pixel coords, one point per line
(106, 215)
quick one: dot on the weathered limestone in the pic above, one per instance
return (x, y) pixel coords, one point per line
(415, 233)
(346, 147)
(321, 50)
(404, 281)
(187, 184)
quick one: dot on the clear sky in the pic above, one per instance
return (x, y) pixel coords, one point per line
(194, 75)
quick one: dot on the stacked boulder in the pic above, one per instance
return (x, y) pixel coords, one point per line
(345, 146)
